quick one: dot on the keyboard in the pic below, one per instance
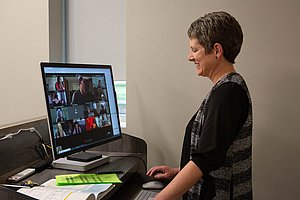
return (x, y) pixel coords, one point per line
(146, 195)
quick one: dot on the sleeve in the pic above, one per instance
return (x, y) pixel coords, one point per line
(226, 112)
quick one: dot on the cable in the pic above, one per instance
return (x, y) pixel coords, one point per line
(10, 135)
(32, 130)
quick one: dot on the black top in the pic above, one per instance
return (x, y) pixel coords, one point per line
(227, 111)
(79, 98)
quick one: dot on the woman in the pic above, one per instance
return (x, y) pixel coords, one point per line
(59, 115)
(216, 153)
(59, 85)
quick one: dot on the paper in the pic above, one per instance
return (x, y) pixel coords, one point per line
(77, 179)
(50, 191)
(43, 193)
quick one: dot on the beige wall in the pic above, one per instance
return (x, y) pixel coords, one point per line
(24, 44)
(164, 91)
(97, 33)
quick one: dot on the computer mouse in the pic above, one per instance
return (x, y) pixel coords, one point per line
(153, 185)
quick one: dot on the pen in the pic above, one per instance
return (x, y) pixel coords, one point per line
(110, 172)
(15, 186)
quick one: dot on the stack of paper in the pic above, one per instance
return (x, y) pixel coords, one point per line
(73, 187)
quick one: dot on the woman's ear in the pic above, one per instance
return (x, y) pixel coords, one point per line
(218, 50)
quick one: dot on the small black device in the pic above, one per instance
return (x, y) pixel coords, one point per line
(111, 172)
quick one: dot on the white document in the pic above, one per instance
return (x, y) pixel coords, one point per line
(50, 191)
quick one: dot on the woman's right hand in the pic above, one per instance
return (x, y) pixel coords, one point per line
(162, 172)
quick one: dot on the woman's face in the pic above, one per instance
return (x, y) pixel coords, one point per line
(59, 113)
(204, 62)
(84, 86)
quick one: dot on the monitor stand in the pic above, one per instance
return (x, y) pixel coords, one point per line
(86, 164)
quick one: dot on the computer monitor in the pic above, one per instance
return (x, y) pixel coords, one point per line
(82, 108)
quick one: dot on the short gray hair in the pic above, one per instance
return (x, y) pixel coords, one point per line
(218, 27)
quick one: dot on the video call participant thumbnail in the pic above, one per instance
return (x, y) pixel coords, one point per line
(84, 94)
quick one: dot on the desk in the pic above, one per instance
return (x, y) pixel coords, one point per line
(132, 166)
(20, 154)
(132, 178)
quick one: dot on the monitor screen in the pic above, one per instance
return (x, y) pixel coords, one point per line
(81, 105)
